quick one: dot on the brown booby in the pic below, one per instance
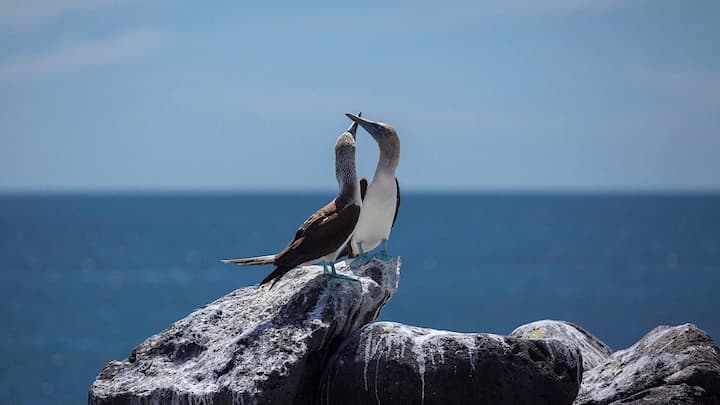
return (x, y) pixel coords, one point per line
(380, 198)
(322, 236)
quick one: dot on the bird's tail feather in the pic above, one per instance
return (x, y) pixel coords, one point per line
(252, 261)
(275, 275)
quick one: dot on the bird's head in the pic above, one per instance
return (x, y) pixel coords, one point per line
(353, 127)
(385, 136)
(377, 130)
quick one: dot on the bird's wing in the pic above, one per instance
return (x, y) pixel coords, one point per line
(323, 233)
(313, 220)
(363, 188)
(270, 259)
(397, 205)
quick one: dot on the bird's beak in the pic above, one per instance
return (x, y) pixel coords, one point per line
(353, 127)
(374, 128)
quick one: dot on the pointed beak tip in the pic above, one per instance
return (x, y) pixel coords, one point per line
(353, 128)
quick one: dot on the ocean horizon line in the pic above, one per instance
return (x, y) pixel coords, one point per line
(519, 192)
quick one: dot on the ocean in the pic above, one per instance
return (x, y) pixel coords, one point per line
(85, 278)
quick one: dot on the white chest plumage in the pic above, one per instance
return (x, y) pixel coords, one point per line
(377, 214)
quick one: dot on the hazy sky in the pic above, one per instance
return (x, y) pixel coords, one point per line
(525, 94)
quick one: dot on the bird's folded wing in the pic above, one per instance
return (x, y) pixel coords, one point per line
(322, 234)
(397, 204)
(363, 188)
(314, 219)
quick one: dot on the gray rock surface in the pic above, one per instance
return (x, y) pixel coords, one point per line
(391, 363)
(681, 394)
(593, 350)
(252, 346)
(669, 365)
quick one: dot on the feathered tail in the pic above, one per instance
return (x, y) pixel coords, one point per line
(275, 275)
(252, 261)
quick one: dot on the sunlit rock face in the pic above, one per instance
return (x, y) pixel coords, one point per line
(669, 365)
(311, 340)
(388, 362)
(255, 345)
(593, 350)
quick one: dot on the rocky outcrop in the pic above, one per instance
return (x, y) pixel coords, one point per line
(252, 346)
(593, 350)
(310, 340)
(670, 365)
(393, 363)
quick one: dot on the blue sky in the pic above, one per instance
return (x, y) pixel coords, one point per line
(493, 95)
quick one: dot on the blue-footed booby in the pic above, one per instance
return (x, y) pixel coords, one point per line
(326, 233)
(380, 198)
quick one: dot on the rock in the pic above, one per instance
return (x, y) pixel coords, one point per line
(252, 346)
(681, 394)
(670, 365)
(391, 363)
(593, 350)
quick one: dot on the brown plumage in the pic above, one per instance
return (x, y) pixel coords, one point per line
(320, 235)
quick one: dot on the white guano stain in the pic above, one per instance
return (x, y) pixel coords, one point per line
(244, 331)
(427, 348)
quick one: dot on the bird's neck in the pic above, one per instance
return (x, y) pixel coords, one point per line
(388, 161)
(349, 194)
(349, 186)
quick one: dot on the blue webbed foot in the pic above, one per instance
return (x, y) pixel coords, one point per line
(361, 259)
(326, 267)
(335, 274)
